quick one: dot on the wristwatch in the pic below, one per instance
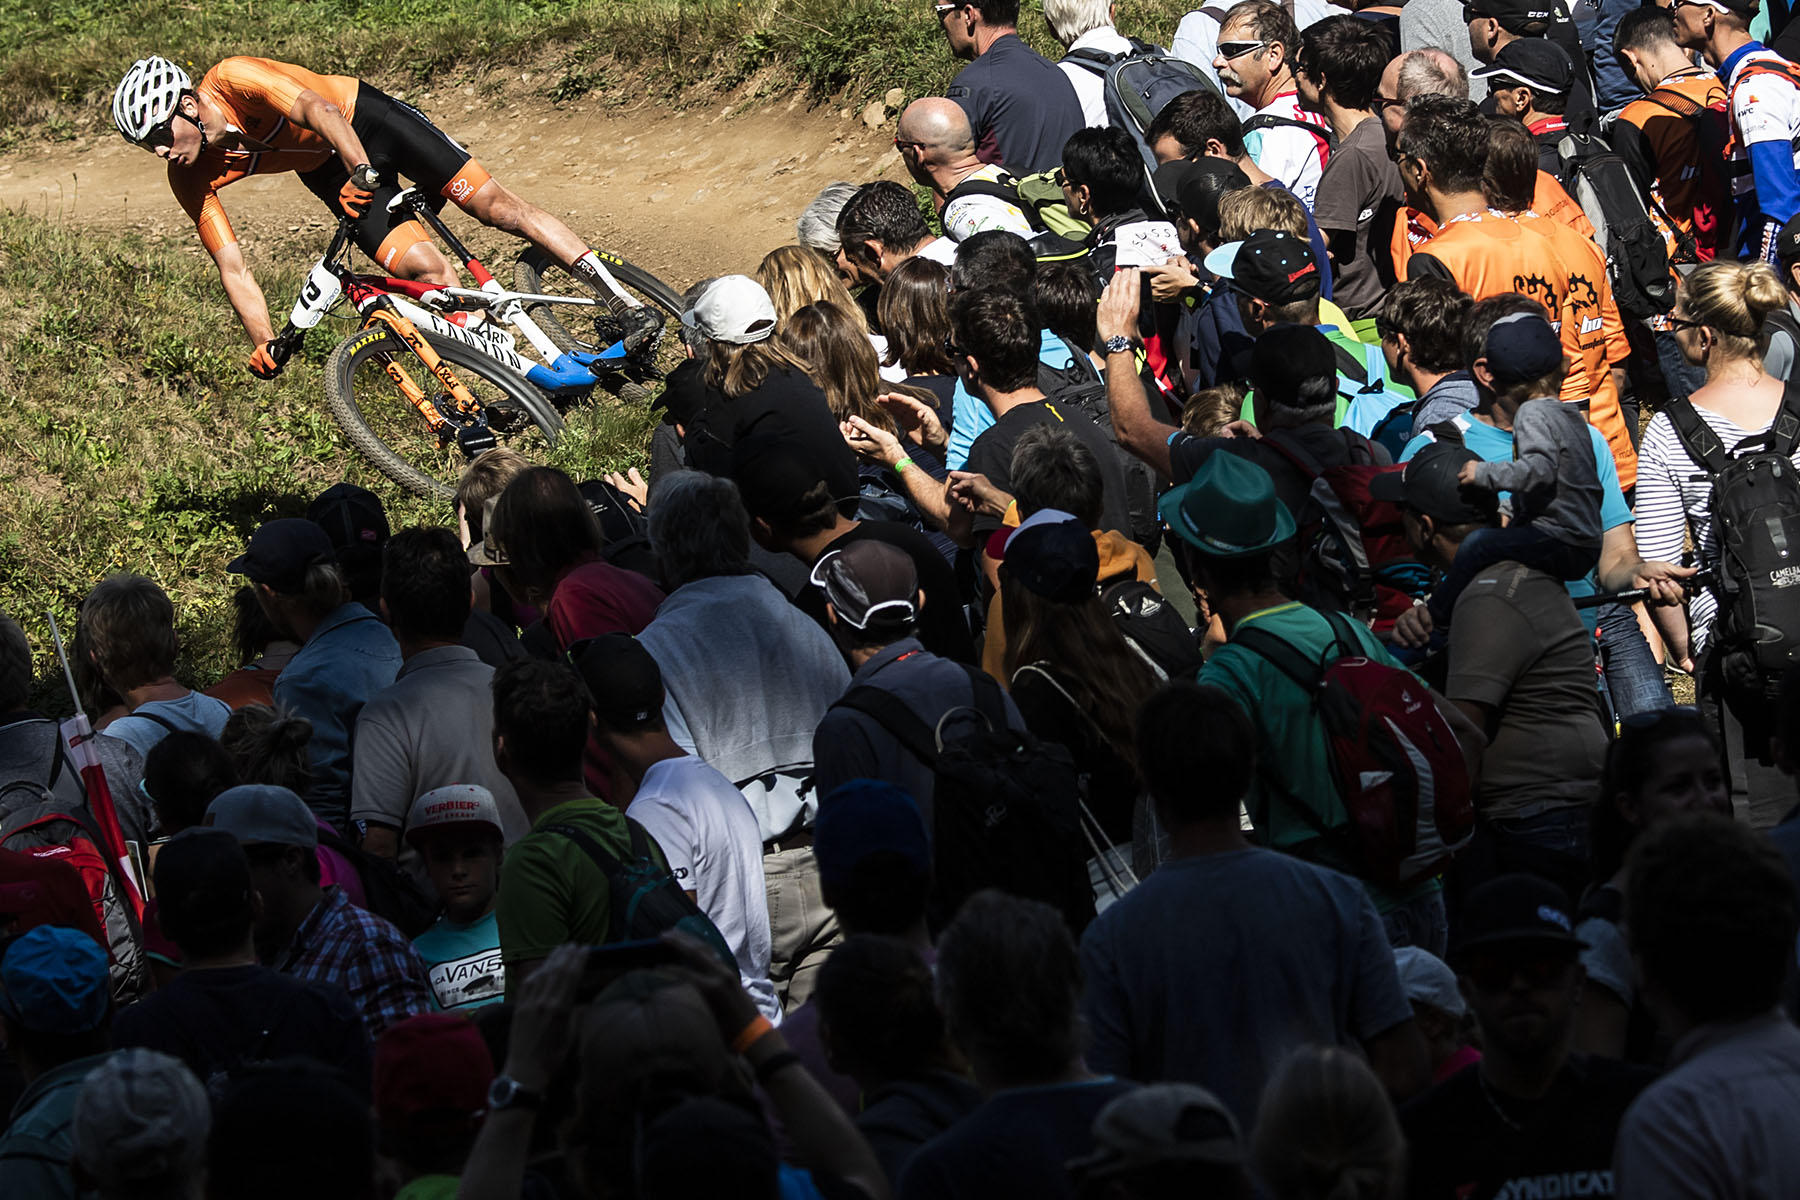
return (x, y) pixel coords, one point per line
(1118, 344)
(365, 177)
(506, 1092)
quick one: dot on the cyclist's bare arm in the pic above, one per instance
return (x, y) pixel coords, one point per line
(313, 111)
(244, 293)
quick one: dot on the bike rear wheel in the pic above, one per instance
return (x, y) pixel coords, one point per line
(386, 429)
(591, 330)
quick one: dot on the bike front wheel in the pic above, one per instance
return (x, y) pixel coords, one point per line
(591, 330)
(363, 385)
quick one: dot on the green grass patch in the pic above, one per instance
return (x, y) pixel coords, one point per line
(61, 58)
(136, 440)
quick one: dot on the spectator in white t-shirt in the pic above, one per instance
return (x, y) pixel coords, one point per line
(701, 820)
(1196, 39)
(128, 627)
(1086, 25)
(1255, 61)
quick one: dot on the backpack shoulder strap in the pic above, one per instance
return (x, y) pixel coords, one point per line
(1089, 59)
(156, 720)
(986, 697)
(1784, 434)
(1006, 188)
(1217, 12)
(1697, 437)
(897, 717)
(603, 858)
(1279, 441)
(1343, 629)
(1281, 655)
(1079, 357)
(1348, 364)
(1677, 103)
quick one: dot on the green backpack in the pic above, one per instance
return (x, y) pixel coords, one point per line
(1038, 197)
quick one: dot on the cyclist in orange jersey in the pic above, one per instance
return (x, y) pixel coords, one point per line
(1592, 326)
(348, 142)
(1442, 152)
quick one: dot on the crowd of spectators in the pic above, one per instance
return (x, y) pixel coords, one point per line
(1153, 683)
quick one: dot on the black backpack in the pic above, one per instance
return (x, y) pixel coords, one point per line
(645, 900)
(1081, 388)
(1006, 808)
(392, 893)
(1151, 626)
(1138, 85)
(1637, 258)
(1755, 507)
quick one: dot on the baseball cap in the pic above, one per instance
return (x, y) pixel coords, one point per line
(1229, 509)
(1427, 979)
(869, 583)
(1532, 62)
(280, 552)
(1283, 359)
(1053, 555)
(1787, 242)
(623, 679)
(1515, 910)
(862, 818)
(774, 474)
(54, 980)
(1158, 1125)
(1522, 347)
(1269, 265)
(1513, 15)
(1428, 483)
(141, 1118)
(264, 813)
(432, 1073)
(734, 308)
(465, 806)
(350, 516)
(1193, 187)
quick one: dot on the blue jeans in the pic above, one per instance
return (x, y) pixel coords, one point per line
(1421, 921)
(1682, 376)
(1516, 543)
(1552, 845)
(1633, 678)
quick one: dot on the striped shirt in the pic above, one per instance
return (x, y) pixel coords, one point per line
(1674, 496)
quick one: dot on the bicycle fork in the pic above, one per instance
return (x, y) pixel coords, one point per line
(471, 431)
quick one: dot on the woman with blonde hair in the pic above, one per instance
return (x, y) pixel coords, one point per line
(796, 276)
(1718, 324)
(1326, 1131)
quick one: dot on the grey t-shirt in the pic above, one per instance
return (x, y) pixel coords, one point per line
(1214, 968)
(1358, 194)
(1441, 23)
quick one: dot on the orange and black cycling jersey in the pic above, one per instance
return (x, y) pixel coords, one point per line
(1663, 149)
(1413, 228)
(1488, 254)
(256, 95)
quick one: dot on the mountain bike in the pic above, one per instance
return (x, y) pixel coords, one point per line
(434, 375)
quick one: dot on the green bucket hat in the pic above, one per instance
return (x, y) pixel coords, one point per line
(1229, 509)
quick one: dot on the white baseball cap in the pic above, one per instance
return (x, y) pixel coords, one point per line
(1426, 978)
(733, 308)
(454, 804)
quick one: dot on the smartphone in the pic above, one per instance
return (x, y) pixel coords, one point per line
(604, 964)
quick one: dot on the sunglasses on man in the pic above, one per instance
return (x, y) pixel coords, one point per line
(1232, 50)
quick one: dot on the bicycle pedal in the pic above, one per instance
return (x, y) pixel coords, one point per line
(475, 439)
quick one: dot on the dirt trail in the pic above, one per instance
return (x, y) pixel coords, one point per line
(684, 195)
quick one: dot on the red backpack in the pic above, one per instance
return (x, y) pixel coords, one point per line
(1354, 556)
(1396, 762)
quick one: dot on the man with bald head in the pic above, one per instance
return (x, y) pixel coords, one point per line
(1427, 72)
(938, 147)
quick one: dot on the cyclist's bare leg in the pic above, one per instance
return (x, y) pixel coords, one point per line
(491, 203)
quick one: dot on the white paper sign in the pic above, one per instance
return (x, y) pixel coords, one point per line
(1146, 243)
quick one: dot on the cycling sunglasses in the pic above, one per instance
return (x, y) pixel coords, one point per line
(1683, 323)
(160, 135)
(944, 10)
(955, 352)
(1231, 50)
(1495, 972)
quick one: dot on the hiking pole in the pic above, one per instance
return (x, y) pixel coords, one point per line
(78, 735)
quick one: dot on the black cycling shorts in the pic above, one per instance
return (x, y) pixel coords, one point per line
(402, 142)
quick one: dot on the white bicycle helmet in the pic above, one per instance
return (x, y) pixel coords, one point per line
(147, 96)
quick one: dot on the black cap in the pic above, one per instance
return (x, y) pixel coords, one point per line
(1057, 558)
(350, 516)
(1284, 358)
(1787, 242)
(1521, 347)
(774, 474)
(870, 584)
(1269, 265)
(1427, 483)
(1514, 15)
(623, 679)
(280, 552)
(1192, 187)
(1515, 910)
(1532, 62)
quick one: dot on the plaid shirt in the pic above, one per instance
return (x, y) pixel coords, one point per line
(365, 955)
